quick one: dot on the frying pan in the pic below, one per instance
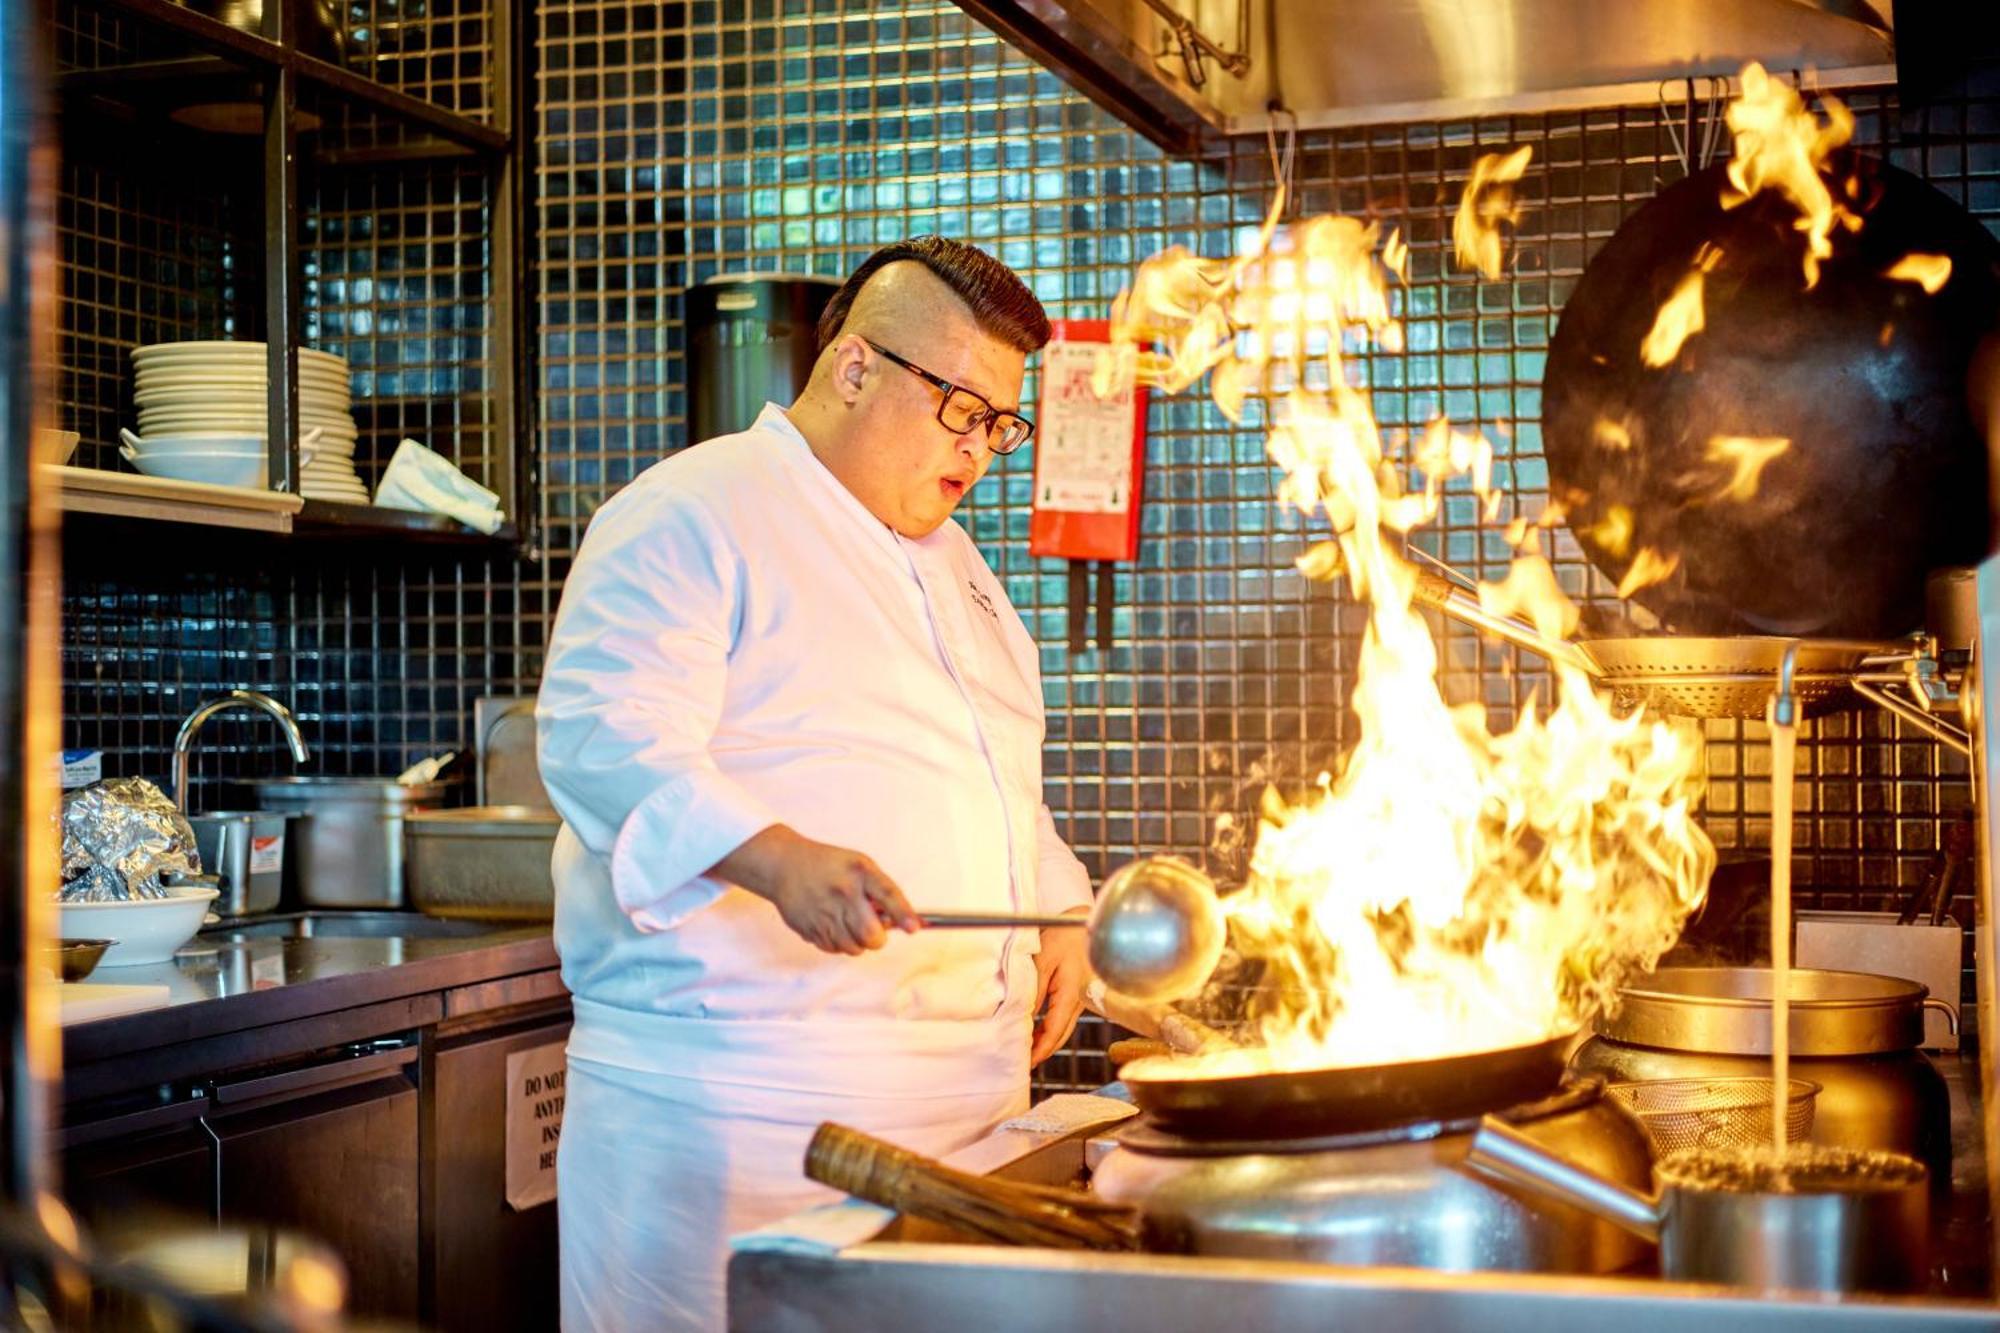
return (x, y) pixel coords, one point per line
(1885, 475)
(1318, 1102)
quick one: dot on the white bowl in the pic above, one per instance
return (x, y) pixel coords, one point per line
(147, 930)
(228, 470)
(248, 446)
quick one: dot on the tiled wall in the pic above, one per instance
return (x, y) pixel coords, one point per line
(681, 140)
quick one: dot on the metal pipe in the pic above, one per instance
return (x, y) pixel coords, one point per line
(1440, 594)
(1942, 732)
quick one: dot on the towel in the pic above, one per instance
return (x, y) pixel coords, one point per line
(425, 481)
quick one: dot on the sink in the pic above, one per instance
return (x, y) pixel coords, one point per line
(353, 926)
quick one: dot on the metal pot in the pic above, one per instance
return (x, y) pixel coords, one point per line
(1392, 1197)
(487, 862)
(1860, 1226)
(1885, 476)
(1854, 1034)
(245, 850)
(751, 339)
(348, 848)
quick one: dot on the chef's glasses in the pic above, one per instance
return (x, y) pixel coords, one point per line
(961, 410)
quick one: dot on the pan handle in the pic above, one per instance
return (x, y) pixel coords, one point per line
(1441, 594)
(1947, 1008)
(1507, 1155)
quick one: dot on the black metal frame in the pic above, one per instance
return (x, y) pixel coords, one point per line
(286, 73)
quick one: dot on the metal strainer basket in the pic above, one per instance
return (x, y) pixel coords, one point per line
(1720, 677)
(1685, 1114)
(1729, 677)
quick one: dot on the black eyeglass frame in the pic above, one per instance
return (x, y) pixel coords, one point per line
(990, 416)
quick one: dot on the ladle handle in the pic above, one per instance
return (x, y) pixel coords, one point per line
(1441, 594)
(995, 920)
(1506, 1154)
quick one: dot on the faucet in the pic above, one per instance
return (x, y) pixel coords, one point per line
(254, 699)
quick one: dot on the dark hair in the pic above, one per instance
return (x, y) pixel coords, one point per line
(1000, 302)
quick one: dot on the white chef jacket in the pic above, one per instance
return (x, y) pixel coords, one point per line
(742, 643)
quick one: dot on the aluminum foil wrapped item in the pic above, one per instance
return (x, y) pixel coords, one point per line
(119, 837)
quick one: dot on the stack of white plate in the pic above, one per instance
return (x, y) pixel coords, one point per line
(196, 389)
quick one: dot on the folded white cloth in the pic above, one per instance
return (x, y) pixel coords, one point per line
(424, 480)
(1068, 1112)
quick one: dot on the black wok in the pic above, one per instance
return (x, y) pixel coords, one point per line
(1885, 477)
(1319, 1102)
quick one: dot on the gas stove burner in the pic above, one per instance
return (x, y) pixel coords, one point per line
(1146, 1136)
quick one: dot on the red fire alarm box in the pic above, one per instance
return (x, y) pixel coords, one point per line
(1089, 452)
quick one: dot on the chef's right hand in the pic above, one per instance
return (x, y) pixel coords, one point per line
(832, 897)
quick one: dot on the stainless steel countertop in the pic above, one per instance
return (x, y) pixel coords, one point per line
(887, 1282)
(261, 972)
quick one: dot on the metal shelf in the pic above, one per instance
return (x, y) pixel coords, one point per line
(95, 495)
(250, 53)
(330, 521)
(269, 67)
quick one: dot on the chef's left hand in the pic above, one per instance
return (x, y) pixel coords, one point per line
(1061, 970)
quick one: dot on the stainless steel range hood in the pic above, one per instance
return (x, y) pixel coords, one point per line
(1186, 71)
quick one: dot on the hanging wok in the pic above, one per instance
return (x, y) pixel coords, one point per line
(1884, 477)
(1320, 1102)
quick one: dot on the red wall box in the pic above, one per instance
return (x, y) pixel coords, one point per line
(1089, 453)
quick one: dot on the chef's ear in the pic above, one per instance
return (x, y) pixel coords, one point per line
(850, 367)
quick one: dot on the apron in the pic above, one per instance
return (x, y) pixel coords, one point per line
(656, 1172)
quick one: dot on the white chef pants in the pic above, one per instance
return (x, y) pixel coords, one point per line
(655, 1173)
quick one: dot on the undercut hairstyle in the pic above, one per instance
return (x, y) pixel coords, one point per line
(1000, 302)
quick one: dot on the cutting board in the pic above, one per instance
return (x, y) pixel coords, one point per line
(82, 1001)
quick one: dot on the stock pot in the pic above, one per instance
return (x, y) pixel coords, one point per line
(1854, 1034)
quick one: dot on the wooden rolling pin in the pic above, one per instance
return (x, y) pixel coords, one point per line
(997, 1210)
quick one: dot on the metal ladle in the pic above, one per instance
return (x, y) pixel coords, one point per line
(1156, 929)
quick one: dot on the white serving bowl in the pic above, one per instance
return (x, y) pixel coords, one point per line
(206, 470)
(147, 930)
(197, 442)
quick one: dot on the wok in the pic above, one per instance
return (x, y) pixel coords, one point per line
(1885, 475)
(1321, 1102)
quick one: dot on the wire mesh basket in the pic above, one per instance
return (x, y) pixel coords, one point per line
(1715, 1113)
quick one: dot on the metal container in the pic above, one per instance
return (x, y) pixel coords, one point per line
(245, 850)
(1861, 1225)
(1854, 1034)
(487, 862)
(1398, 1197)
(751, 339)
(348, 847)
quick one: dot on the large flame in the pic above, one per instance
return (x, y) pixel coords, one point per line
(1487, 202)
(1782, 146)
(1683, 315)
(1450, 888)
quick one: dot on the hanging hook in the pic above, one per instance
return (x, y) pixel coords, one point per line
(1281, 164)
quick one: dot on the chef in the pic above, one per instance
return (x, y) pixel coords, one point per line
(787, 708)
